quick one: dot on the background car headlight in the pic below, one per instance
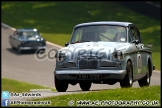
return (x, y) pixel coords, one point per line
(60, 56)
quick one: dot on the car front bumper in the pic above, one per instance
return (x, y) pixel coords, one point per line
(72, 74)
(30, 48)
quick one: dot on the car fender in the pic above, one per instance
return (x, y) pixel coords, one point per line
(126, 59)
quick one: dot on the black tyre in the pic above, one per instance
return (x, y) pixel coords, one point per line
(128, 79)
(111, 82)
(85, 86)
(61, 86)
(145, 81)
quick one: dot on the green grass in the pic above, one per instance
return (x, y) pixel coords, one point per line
(56, 19)
(145, 93)
(16, 86)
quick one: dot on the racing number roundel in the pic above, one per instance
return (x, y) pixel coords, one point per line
(139, 63)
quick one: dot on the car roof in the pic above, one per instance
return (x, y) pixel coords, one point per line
(106, 23)
(27, 29)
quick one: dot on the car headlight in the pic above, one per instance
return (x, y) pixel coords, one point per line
(117, 54)
(60, 56)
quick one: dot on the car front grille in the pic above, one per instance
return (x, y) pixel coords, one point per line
(68, 65)
(108, 64)
(88, 63)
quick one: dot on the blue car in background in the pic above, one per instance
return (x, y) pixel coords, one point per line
(27, 39)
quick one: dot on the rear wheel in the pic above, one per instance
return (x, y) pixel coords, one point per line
(85, 86)
(145, 81)
(61, 86)
(128, 79)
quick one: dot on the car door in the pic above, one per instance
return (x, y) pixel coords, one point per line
(142, 55)
(137, 53)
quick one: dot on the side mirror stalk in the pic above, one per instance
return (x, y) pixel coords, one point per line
(135, 41)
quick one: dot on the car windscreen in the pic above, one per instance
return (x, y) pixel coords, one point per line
(29, 34)
(97, 33)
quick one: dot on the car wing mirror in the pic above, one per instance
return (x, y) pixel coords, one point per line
(149, 45)
(67, 43)
(135, 41)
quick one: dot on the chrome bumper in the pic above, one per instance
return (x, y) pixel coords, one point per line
(71, 74)
(30, 48)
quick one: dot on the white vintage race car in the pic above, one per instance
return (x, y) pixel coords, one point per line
(103, 53)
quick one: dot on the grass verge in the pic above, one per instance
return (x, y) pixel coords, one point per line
(16, 86)
(148, 95)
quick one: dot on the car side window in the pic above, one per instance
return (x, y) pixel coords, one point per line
(134, 34)
(18, 33)
(131, 34)
(137, 35)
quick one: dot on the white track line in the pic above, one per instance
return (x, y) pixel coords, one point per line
(8, 26)
(58, 46)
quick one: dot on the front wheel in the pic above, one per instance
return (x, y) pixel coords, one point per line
(128, 79)
(61, 86)
(85, 86)
(111, 82)
(145, 81)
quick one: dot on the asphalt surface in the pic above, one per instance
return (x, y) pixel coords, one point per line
(26, 67)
